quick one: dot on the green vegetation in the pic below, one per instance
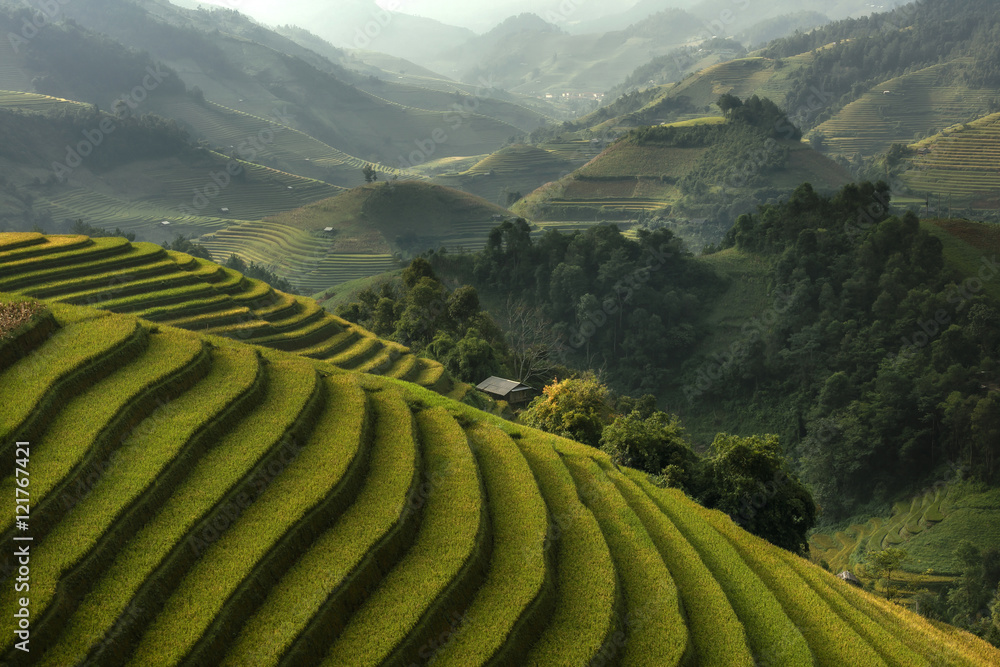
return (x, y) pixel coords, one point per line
(710, 168)
(654, 631)
(633, 305)
(302, 513)
(519, 588)
(901, 315)
(420, 313)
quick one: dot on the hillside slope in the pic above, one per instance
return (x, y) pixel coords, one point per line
(907, 108)
(137, 172)
(196, 500)
(359, 232)
(958, 163)
(703, 169)
(182, 291)
(238, 65)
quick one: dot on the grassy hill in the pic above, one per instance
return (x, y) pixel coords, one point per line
(928, 527)
(966, 245)
(905, 109)
(695, 95)
(178, 290)
(198, 500)
(519, 168)
(398, 216)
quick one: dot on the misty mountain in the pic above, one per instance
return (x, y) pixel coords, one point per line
(623, 19)
(529, 55)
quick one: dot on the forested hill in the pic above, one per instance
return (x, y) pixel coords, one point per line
(840, 326)
(855, 54)
(885, 358)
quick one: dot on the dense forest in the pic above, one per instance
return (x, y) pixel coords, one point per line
(885, 355)
(449, 326)
(631, 306)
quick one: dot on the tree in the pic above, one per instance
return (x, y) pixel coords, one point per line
(881, 564)
(532, 339)
(463, 303)
(748, 478)
(576, 408)
(418, 268)
(185, 245)
(474, 358)
(969, 600)
(371, 174)
(652, 444)
(729, 103)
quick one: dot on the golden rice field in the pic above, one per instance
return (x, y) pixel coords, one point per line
(199, 500)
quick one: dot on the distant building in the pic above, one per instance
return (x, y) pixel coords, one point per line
(513, 392)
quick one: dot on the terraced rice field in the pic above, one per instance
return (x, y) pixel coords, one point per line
(199, 501)
(265, 192)
(34, 101)
(845, 549)
(12, 77)
(917, 105)
(178, 290)
(963, 161)
(302, 257)
(516, 159)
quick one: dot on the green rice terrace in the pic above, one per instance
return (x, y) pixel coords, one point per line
(195, 500)
(961, 161)
(927, 527)
(303, 257)
(629, 178)
(374, 221)
(179, 290)
(904, 109)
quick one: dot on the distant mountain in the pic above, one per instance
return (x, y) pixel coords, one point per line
(623, 19)
(531, 55)
(362, 24)
(227, 59)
